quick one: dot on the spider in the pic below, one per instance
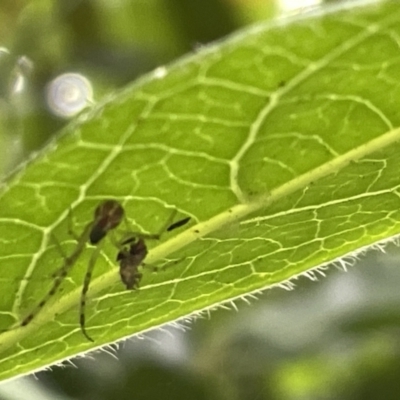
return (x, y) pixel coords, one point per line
(131, 258)
(107, 216)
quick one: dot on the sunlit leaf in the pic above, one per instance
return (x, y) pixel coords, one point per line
(281, 144)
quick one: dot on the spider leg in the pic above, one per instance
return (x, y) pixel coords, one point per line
(59, 276)
(62, 253)
(168, 222)
(82, 239)
(178, 224)
(152, 268)
(130, 236)
(85, 288)
(70, 220)
(163, 267)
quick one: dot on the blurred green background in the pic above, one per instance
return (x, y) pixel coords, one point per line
(337, 338)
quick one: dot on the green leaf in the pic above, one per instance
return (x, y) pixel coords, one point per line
(282, 146)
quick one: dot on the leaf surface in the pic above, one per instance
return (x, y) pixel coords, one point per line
(281, 144)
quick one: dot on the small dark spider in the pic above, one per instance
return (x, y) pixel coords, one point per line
(107, 216)
(132, 251)
(131, 257)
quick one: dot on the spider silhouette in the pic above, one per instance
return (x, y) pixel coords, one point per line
(107, 216)
(131, 254)
(131, 257)
(132, 251)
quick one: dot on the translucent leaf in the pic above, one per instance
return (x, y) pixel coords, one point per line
(281, 144)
